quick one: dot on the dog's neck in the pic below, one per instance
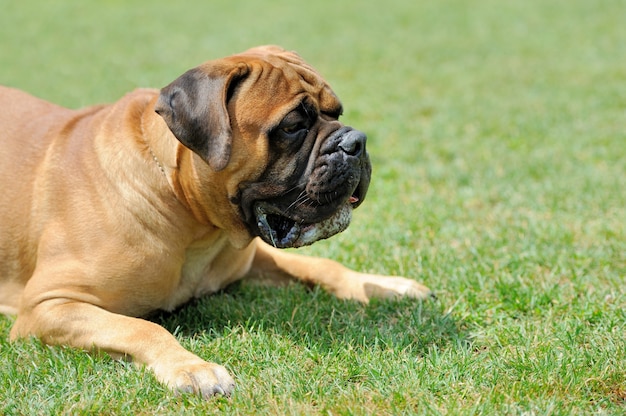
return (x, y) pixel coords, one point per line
(160, 166)
(160, 151)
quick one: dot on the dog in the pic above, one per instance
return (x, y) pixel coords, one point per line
(112, 212)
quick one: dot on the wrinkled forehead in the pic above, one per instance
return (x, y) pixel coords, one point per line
(286, 72)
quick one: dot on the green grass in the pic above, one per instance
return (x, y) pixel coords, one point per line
(497, 131)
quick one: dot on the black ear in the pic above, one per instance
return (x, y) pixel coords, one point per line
(194, 108)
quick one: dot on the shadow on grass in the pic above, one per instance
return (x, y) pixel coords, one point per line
(310, 317)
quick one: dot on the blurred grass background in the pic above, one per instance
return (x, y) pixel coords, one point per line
(497, 134)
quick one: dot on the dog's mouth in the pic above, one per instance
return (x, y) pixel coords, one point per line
(321, 204)
(283, 231)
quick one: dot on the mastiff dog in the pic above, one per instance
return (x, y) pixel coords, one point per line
(115, 211)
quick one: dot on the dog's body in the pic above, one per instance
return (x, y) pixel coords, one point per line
(112, 212)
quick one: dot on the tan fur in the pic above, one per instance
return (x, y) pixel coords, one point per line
(105, 216)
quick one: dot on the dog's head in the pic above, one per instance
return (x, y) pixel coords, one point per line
(276, 162)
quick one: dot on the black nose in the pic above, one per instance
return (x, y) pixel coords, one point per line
(353, 143)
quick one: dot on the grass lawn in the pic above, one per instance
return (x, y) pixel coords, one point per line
(497, 131)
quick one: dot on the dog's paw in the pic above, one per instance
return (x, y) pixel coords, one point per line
(200, 377)
(389, 287)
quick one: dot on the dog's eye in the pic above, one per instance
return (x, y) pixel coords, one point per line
(293, 128)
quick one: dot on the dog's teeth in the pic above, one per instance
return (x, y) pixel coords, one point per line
(292, 235)
(265, 228)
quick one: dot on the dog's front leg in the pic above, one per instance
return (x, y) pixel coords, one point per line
(82, 325)
(332, 276)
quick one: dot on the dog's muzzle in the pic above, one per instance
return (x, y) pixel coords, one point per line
(334, 184)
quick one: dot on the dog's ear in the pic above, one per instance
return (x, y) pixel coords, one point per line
(194, 108)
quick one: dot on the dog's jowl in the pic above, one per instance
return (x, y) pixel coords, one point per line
(111, 212)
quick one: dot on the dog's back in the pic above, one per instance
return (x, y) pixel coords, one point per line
(25, 124)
